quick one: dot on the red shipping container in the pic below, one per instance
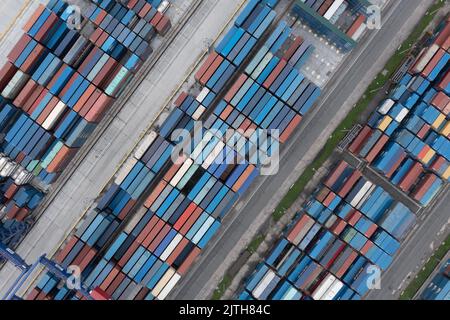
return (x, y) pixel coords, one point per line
(163, 26)
(62, 159)
(18, 48)
(211, 70)
(349, 184)
(189, 261)
(235, 88)
(274, 74)
(62, 254)
(37, 13)
(424, 186)
(46, 27)
(377, 148)
(205, 66)
(290, 128)
(99, 109)
(335, 174)
(292, 49)
(6, 73)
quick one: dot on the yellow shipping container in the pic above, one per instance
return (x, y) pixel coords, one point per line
(430, 154)
(446, 130)
(446, 174)
(438, 121)
(385, 123)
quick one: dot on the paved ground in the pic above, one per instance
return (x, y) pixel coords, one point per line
(342, 93)
(427, 237)
(101, 162)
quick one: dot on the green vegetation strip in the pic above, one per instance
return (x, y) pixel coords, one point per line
(222, 287)
(256, 242)
(352, 118)
(426, 271)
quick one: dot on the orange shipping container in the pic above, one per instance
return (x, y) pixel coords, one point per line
(205, 66)
(37, 13)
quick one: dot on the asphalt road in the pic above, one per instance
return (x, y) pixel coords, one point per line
(355, 74)
(429, 234)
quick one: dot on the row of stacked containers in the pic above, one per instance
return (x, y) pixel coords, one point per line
(149, 226)
(348, 226)
(59, 81)
(407, 138)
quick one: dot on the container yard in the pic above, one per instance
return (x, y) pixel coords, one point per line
(407, 139)
(405, 142)
(59, 82)
(266, 79)
(173, 193)
(348, 226)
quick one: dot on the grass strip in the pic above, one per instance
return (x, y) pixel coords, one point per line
(222, 287)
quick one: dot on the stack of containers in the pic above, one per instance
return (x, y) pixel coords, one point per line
(59, 81)
(349, 225)
(407, 138)
(439, 287)
(329, 9)
(18, 201)
(158, 215)
(357, 28)
(187, 200)
(271, 93)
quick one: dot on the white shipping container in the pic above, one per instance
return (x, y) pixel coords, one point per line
(145, 143)
(323, 287)
(265, 281)
(402, 115)
(332, 9)
(125, 170)
(425, 58)
(135, 220)
(8, 169)
(213, 155)
(262, 65)
(3, 162)
(169, 287)
(54, 116)
(354, 202)
(290, 294)
(205, 227)
(15, 85)
(198, 113)
(199, 148)
(181, 172)
(333, 291)
(386, 106)
(366, 196)
(202, 95)
(172, 245)
(163, 282)
(359, 32)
